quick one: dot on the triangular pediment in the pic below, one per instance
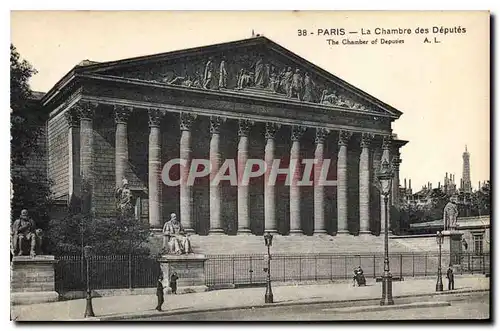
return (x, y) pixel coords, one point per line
(255, 66)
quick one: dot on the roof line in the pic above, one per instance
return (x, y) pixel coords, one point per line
(259, 40)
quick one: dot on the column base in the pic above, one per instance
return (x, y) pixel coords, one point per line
(296, 233)
(216, 232)
(342, 233)
(190, 231)
(319, 232)
(244, 232)
(271, 231)
(364, 233)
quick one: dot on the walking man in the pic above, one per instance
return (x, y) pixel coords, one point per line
(451, 278)
(173, 282)
(159, 292)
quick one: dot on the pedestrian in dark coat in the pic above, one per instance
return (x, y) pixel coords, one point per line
(451, 278)
(173, 282)
(159, 293)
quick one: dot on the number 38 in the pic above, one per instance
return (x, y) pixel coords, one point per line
(302, 32)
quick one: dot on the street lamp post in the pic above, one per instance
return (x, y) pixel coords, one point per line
(385, 178)
(268, 239)
(89, 310)
(439, 284)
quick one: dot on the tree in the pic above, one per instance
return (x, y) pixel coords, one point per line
(30, 186)
(439, 199)
(25, 118)
(481, 200)
(107, 236)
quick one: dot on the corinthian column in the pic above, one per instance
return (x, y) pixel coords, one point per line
(396, 161)
(186, 191)
(386, 147)
(121, 143)
(87, 111)
(215, 160)
(154, 169)
(295, 226)
(342, 205)
(243, 199)
(269, 188)
(319, 188)
(364, 184)
(73, 119)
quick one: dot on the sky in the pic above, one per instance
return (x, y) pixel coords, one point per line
(441, 88)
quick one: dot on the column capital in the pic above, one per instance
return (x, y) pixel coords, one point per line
(155, 116)
(366, 139)
(244, 127)
(186, 121)
(344, 137)
(122, 113)
(321, 134)
(215, 123)
(271, 129)
(72, 115)
(396, 161)
(86, 109)
(386, 141)
(297, 132)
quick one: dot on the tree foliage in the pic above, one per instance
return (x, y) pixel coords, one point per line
(30, 187)
(481, 201)
(26, 119)
(107, 236)
(31, 191)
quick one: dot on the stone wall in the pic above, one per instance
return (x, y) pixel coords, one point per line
(57, 147)
(104, 163)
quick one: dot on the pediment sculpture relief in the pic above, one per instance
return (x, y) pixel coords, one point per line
(257, 73)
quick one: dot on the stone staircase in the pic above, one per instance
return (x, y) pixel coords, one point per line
(317, 244)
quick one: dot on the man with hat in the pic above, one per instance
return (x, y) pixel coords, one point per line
(24, 229)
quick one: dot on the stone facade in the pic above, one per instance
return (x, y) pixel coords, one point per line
(58, 156)
(134, 116)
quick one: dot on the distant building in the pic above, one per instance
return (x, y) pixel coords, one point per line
(476, 232)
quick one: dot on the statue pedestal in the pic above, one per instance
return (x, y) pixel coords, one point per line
(452, 245)
(33, 279)
(189, 267)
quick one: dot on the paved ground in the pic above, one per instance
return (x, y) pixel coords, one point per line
(142, 305)
(471, 306)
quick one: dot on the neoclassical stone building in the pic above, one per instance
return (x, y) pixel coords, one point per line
(248, 99)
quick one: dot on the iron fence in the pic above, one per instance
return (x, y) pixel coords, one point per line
(249, 269)
(106, 272)
(132, 271)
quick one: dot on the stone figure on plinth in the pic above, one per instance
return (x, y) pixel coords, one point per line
(24, 232)
(287, 80)
(208, 75)
(308, 88)
(175, 240)
(274, 81)
(260, 77)
(124, 199)
(450, 214)
(295, 89)
(245, 79)
(223, 74)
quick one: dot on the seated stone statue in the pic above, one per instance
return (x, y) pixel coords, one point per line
(175, 240)
(23, 232)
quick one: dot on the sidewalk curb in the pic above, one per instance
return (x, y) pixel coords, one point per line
(145, 314)
(388, 307)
